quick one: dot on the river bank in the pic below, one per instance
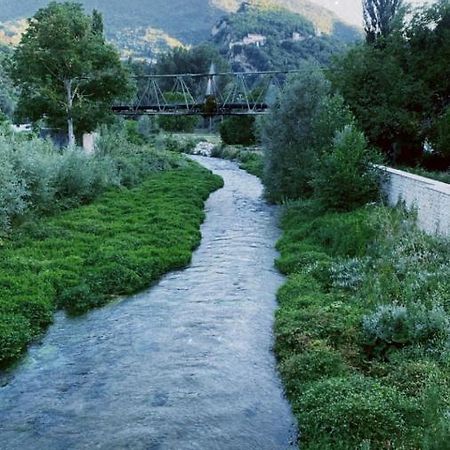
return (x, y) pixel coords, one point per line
(83, 258)
(363, 327)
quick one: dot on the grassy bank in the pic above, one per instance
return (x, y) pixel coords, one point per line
(248, 159)
(119, 244)
(363, 329)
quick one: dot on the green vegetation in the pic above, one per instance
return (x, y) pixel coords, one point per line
(189, 22)
(238, 130)
(444, 177)
(7, 92)
(84, 257)
(249, 159)
(289, 39)
(313, 147)
(398, 87)
(363, 329)
(66, 71)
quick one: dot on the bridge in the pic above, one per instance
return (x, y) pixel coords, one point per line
(207, 94)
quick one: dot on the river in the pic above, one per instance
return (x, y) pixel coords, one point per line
(185, 365)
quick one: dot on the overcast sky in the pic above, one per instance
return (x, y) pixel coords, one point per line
(351, 10)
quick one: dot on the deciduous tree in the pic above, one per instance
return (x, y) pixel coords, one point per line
(66, 71)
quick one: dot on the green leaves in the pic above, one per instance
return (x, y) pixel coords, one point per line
(66, 71)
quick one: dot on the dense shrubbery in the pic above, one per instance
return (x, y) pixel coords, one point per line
(313, 148)
(37, 178)
(398, 88)
(117, 245)
(363, 329)
(239, 130)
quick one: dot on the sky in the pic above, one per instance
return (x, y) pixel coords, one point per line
(351, 10)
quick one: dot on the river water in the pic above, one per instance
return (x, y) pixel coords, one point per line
(184, 365)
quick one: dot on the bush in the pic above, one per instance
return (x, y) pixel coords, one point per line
(354, 410)
(14, 335)
(317, 362)
(397, 326)
(239, 130)
(345, 178)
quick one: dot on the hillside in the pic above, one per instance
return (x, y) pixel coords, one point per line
(258, 38)
(172, 21)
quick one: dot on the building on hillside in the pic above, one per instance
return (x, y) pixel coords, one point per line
(257, 40)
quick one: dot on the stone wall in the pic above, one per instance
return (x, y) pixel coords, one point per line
(430, 198)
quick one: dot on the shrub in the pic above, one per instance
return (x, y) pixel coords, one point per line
(14, 335)
(345, 178)
(397, 326)
(13, 192)
(353, 409)
(238, 130)
(348, 274)
(317, 362)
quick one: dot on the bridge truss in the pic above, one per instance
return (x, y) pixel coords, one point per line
(208, 94)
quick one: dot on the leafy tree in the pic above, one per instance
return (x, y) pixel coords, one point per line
(238, 130)
(288, 135)
(7, 92)
(380, 18)
(66, 71)
(345, 178)
(195, 60)
(386, 100)
(181, 123)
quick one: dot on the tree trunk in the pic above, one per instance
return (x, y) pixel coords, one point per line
(70, 130)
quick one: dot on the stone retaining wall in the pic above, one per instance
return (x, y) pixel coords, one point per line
(431, 199)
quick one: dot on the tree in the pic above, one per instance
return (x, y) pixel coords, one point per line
(380, 18)
(180, 123)
(66, 71)
(385, 98)
(238, 130)
(288, 135)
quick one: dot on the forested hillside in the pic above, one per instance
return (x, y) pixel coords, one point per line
(273, 39)
(143, 24)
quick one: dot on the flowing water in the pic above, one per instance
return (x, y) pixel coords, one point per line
(184, 365)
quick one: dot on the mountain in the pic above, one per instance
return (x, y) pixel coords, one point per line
(173, 22)
(259, 38)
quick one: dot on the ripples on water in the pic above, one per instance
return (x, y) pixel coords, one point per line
(185, 365)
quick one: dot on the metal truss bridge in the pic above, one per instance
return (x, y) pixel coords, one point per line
(207, 94)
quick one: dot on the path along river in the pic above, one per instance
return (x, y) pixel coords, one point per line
(185, 365)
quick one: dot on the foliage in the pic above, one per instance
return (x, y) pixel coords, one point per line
(362, 332)
(399, 91)
(380, 18)
(397, 326)
(36, 178)
(249, 159)
(177, 124)
(288, 136)
(8, 94)
(353, 410)
(290, 39)
(66, 71)
(238, 130)
(345, 178)
(84, 257)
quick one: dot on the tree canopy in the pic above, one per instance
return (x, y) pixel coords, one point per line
(399, 91)
(66, 71)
